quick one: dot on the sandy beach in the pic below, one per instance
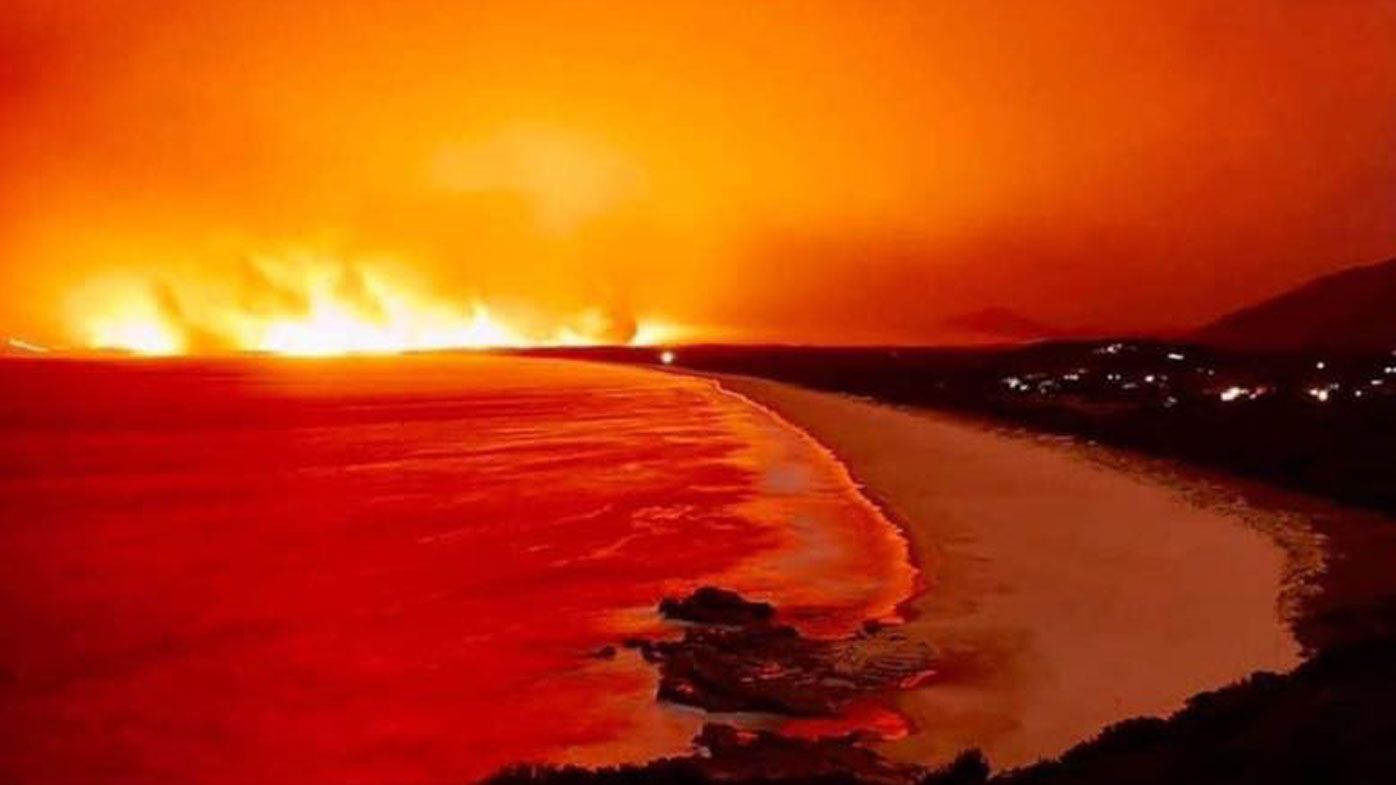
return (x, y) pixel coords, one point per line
(1063, 592)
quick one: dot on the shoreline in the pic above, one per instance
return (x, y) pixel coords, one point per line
(1025, 635)
(895, 530)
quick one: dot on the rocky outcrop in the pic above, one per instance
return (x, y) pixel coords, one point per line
(712, 605)
(775, 669)
(740, 661)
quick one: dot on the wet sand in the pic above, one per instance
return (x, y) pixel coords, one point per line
(1064, 592)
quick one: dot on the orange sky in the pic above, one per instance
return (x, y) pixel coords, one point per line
(802, 171)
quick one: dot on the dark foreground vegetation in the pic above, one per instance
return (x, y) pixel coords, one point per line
(1321, 423)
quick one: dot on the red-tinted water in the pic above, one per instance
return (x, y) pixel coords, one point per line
(385, 571)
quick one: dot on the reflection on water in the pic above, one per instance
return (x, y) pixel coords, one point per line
(384, 570)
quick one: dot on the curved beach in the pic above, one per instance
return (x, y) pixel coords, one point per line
(1063, 594)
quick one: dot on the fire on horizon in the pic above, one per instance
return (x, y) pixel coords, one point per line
(372, 176)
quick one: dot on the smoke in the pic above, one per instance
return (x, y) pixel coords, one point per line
(258, 293)
(351, 288)
(194, 337)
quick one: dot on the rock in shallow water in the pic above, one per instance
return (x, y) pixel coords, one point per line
(713, 605)
(763, 667)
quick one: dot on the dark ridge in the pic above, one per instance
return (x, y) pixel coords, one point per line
(1350, 310)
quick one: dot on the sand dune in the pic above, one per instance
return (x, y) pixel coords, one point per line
(1063, 592)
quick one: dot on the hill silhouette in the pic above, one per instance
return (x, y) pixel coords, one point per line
(1352, 310)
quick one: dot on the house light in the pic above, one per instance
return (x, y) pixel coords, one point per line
(1232, 393)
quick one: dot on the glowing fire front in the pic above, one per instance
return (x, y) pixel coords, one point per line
(317, 307)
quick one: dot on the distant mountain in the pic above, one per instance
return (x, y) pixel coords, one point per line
(998, 323)
(1350, 310)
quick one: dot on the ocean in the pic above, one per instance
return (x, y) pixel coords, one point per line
(388, 570)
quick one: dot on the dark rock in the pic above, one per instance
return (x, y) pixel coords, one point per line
(711, 605)
(775, 669)
(642, 645)
(605, 653)
(872, 626)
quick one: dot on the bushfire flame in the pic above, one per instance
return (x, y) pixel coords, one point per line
(326, 309)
